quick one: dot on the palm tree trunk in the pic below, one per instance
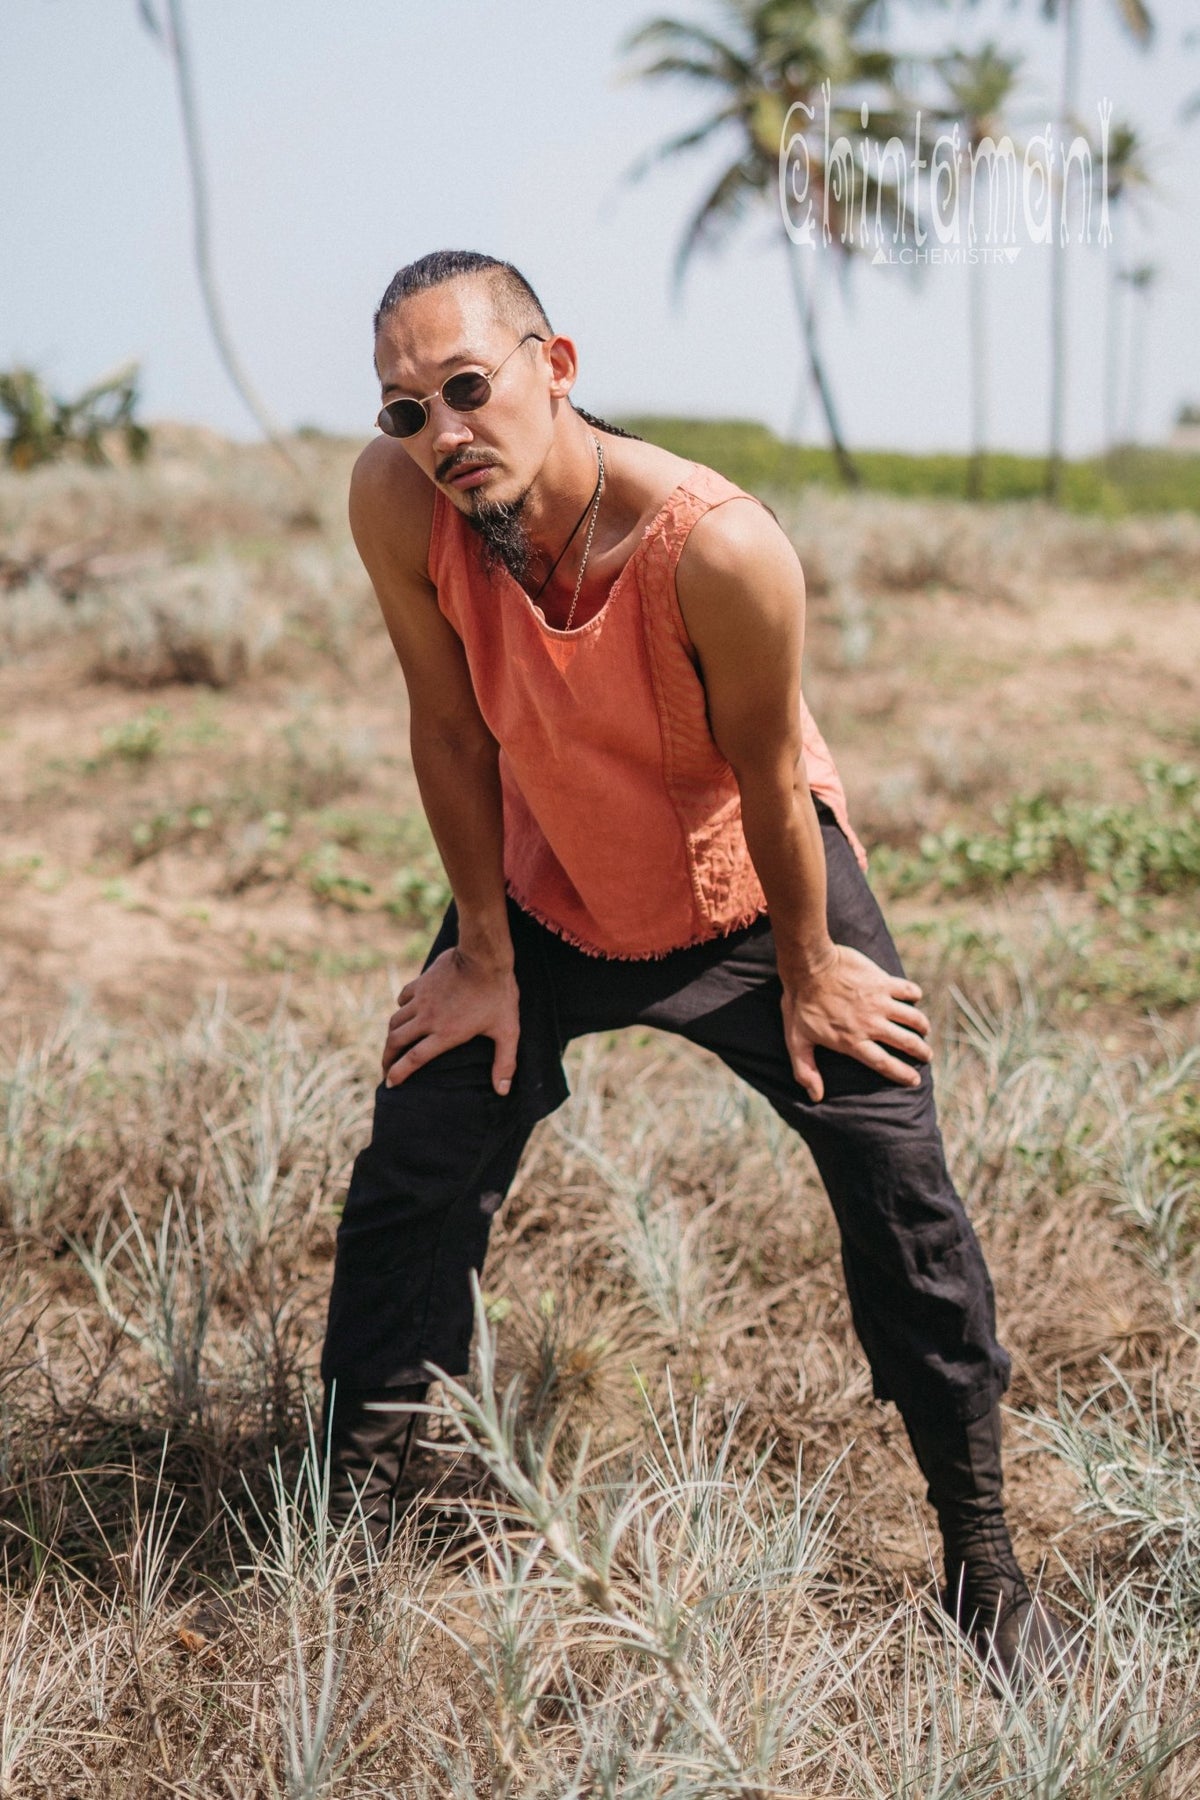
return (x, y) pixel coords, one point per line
(847, 467)
(177, 46)
(977, 332)
(1112, 344)
(804, 383)
(1058, 266)
(1139, 315)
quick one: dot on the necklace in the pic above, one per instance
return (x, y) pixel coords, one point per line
(593, 506)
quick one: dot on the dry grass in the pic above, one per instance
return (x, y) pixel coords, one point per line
(679, 1547)
(200, 565)
(666, 1544)
(997, 552)
(206, 565)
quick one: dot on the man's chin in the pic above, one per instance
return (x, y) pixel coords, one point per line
(488, 497)
(497, 522)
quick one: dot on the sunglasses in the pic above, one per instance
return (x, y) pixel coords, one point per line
(465, 392)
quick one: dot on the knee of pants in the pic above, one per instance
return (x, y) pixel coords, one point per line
(882, 1160)
(430, 1136)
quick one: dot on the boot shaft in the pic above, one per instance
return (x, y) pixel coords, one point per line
(367, 1435)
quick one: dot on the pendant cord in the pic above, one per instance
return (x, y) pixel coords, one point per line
(591, 532)
(593, 501)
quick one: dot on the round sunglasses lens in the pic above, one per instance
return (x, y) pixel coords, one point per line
(402, 418)
(467, 392)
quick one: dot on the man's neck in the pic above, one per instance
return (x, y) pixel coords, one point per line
(561, 490)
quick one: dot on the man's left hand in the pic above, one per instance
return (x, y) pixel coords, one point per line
(852, 1005)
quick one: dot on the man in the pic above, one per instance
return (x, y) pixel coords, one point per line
(640, 824)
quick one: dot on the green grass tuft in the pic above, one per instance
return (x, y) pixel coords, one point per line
(1133, 479)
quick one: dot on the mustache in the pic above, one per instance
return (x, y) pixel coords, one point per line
(462, 459)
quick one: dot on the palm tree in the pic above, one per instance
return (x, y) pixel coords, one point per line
(769, 58)
(1135, 16)
(979, 85)
(1127, 176)
(168, 29)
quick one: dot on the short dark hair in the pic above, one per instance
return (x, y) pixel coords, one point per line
(515, 298)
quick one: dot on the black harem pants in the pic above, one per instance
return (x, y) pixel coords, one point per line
(445, 1147)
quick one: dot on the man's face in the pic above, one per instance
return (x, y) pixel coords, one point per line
(484, 459)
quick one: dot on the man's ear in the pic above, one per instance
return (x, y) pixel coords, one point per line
(564, 365)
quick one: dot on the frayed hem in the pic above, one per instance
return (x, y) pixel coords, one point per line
(578, 943)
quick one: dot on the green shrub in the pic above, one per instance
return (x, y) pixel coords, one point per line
(42, 427)
(1134, 479)
(1122, 850)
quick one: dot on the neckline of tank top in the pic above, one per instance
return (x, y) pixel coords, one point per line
(539, 616)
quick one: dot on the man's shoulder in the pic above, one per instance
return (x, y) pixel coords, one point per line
(652, 476)
(391, 503)
(736, 536)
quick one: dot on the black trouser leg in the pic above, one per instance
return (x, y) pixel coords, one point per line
(962, 1463)
(416, 1223)
(919, 1289)
(444, 1148)
(367, 1438)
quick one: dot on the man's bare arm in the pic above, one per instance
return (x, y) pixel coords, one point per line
(741, 592)
(468, 992)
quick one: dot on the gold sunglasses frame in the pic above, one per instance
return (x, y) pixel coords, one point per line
(440, 392)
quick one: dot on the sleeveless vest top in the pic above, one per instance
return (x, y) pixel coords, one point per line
(622, 819)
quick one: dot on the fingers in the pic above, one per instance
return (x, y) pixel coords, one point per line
(504, 1062)
(399, 1034)
(897, 1038)
(912, 1017)
(804, 1068)
(423, 1051)
(896, 1071)
(876, 1057)
(402, 1031)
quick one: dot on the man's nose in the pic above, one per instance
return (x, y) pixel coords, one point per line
(450, 429)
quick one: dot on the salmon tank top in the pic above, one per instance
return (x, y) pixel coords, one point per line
(622, 819)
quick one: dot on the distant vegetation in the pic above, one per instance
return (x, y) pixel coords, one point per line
(1131, 479)
(777, 79)
(42, 427)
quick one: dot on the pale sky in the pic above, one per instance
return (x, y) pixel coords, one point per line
(345, 137)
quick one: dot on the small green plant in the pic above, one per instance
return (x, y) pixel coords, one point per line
(1178, 1142)
(1119, 850)
(167, 828)
(43, 427)
(419, 897)
(336, 885)
(137, 741)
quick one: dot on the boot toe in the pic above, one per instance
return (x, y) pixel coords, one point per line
(1019, 1639)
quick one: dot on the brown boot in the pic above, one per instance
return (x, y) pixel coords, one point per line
(1017, 1637)
(368, 1436)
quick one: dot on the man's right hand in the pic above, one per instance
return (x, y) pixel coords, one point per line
(456, 998)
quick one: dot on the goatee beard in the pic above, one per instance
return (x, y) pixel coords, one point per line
(504, 541)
